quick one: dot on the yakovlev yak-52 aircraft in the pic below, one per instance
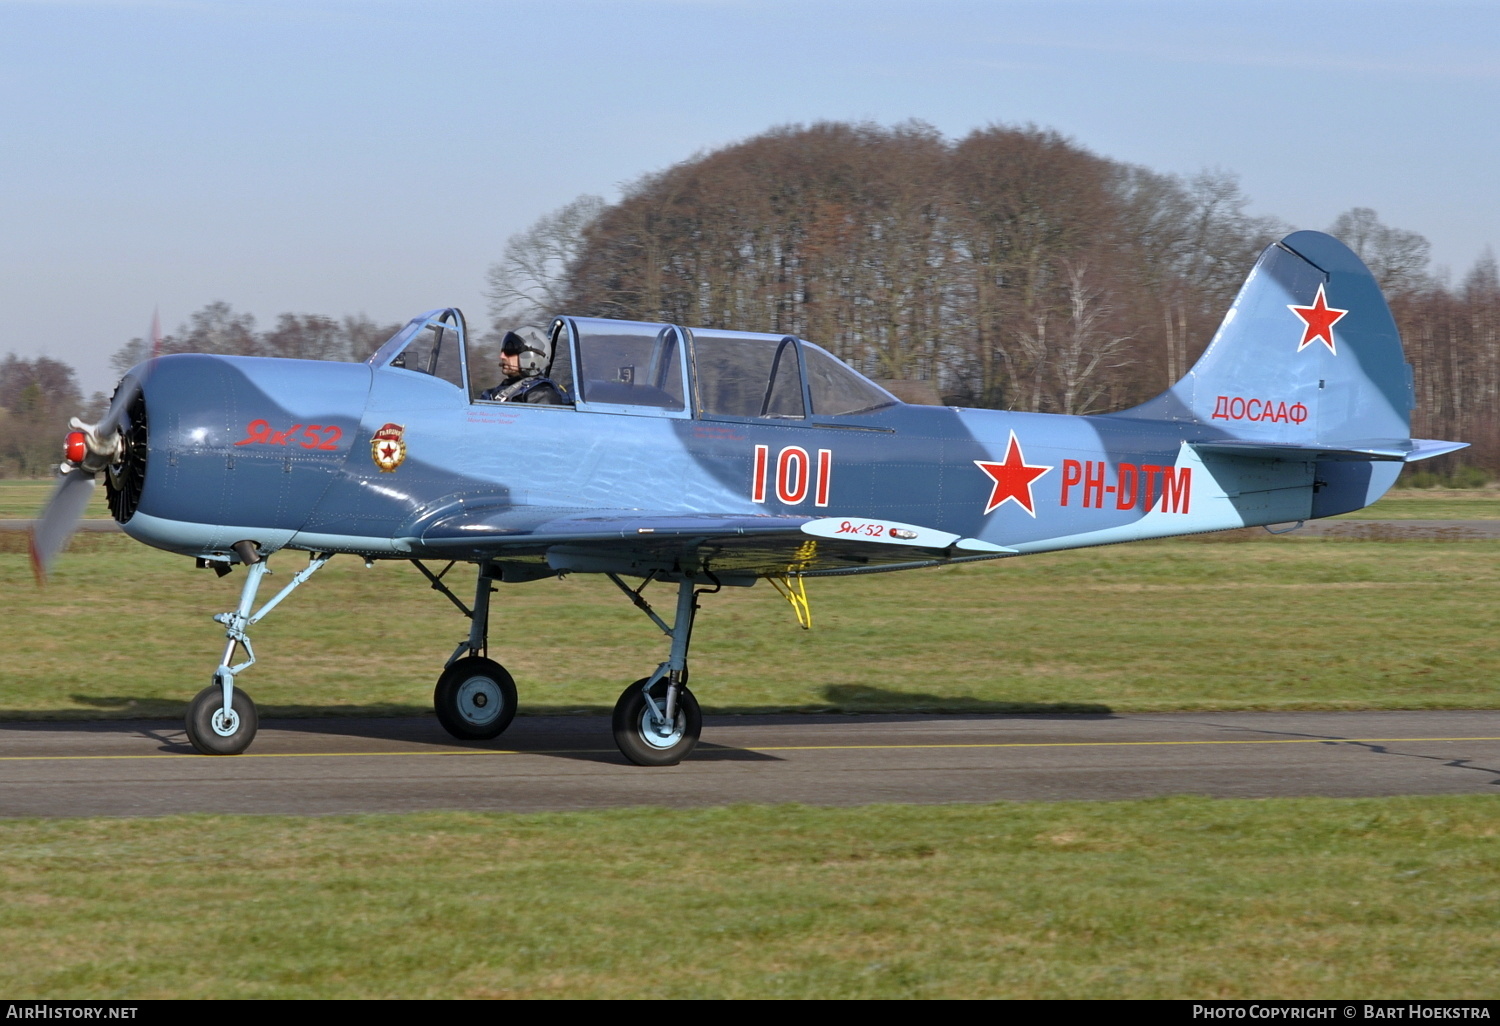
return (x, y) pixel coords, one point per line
(710, 458)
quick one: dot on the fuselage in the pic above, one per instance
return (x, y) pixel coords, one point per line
(286, 452)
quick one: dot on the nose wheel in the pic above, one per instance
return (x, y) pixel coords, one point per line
(646, 734)
(214, 730)
(475, 699)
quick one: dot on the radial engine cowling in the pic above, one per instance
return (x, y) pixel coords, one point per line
(221, 449)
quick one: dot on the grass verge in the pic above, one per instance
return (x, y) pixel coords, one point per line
(124, 630)
(1175, 898)
(1433, 504)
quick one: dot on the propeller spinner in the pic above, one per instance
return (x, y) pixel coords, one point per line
(89, 449)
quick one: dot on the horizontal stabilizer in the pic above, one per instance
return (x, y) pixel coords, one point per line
(1387, 450)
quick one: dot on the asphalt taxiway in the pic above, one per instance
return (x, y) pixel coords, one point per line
(336, 766)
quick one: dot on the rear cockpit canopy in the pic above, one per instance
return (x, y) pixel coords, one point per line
(640, 367)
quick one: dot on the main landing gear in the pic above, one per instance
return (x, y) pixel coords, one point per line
(475, 698)
(656, 721)
(221, 720)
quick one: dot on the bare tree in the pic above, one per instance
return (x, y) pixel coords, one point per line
(216, 328)
(1398, 258)
(1012, 267)
(532, 277)
(1086, 346)
(131, 353)
(37, 396)
(362, 336)
(305, 337)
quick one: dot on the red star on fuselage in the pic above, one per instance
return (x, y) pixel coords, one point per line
(1319, 320)
(1012, 479)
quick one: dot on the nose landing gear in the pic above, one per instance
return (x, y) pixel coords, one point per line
(212, 731)
(222, 720)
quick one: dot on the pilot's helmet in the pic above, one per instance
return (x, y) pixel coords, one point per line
(533, 347)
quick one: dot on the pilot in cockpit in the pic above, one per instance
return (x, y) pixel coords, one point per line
(524, 357)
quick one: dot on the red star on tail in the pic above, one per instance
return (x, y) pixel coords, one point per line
(1320, 319)
(1012, 479)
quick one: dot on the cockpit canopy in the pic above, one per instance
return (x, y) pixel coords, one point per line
(643, 368)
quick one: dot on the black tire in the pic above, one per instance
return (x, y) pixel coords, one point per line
(645, 746)
(475, 699)
(201, 714)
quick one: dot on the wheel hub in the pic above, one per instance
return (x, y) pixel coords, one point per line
(479, 701)
(657, 732)
(225, 725)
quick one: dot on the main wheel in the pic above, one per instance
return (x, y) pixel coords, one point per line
(475, 699)
(213, 733)
(649, 740)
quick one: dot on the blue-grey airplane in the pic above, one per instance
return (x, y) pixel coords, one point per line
(705, 458)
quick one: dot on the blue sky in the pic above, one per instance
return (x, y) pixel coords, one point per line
(333, 156)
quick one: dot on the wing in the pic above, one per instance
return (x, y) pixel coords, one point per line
(725, 544)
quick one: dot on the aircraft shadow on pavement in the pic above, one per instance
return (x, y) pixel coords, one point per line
(859, 698)
(580, 732)
(583, 738)
(840, 699)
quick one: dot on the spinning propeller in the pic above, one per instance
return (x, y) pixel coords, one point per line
(89, 449)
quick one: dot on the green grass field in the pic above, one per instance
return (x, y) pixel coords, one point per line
(1268, 623)
(1184, 624)
(24, 499)
(1175, 898)
(1433, 504)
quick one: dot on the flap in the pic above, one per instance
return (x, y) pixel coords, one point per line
(635, 541)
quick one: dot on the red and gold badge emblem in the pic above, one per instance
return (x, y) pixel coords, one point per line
(388, 447)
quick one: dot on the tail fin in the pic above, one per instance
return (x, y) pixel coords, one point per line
(1306, 365)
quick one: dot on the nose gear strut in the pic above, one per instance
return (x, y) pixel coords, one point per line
(221, 720)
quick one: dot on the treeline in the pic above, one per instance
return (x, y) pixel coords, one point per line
(1452, 338)
(36, 399)
(217, 328)
(1009, 269)
(38, 396)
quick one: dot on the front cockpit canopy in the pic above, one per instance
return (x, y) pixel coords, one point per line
(433, 343)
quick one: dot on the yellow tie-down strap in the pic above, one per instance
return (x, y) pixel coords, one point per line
(794, 590)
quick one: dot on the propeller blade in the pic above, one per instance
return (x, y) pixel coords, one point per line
(56, 524)
(115, 415)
